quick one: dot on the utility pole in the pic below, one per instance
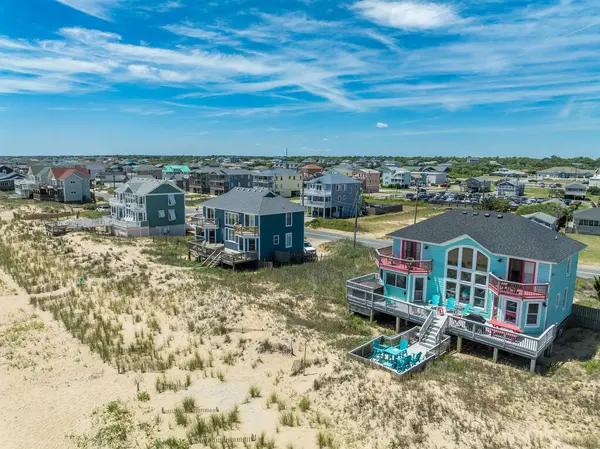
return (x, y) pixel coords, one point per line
(416, 202)
(358, 192)
(302, 186)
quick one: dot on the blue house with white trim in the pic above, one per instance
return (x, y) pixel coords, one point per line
(254, 223)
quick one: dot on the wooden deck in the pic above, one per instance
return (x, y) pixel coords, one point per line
(217, 254)
(362, 299)
(385, 259)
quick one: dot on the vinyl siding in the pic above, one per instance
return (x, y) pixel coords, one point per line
(156, 202)
(271, 225)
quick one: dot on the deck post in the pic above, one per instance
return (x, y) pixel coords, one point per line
(495, 357)
(459, 344)
(397, 324)
(371, 314)
(532, 365)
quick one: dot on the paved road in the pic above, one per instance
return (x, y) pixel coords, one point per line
(582, 271)
(334, 236)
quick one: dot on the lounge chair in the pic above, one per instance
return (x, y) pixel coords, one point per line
(435, 300)
(466, 309)
(451, 304)
(403, 346)
(416, 358)
(403, 364)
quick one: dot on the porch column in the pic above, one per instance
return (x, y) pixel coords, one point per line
(495, 357)
(532, 365)
(397, 324)
(459, 344)
(371, 315)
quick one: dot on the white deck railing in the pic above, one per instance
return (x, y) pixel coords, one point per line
(364, 296)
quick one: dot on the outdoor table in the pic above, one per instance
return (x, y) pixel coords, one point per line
(394, 351)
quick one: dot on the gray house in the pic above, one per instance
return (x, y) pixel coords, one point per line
(511, 188)
(222, 180)
(575, 191)
(333, 196)
(543, 219)
(480, 184)
(143, 207)
(587, 221)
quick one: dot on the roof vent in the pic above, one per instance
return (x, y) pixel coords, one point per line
(487, 214)
(499, 215)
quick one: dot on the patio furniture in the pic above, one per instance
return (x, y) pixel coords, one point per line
(403, 345)
(435, 300)
(466, 309)
(416, 358)
(451, 304)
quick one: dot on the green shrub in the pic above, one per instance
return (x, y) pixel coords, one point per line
(304, 404)
(143, 396)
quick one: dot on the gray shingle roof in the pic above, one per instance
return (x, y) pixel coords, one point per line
(335, 179)
(588, 214)
(255, 201)
(542, 217)
(511, 235)
(144, 186)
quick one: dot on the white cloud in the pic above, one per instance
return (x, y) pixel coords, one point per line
(407, 15)
(566, 110)
(41, 85)
(143, 110)
(96, 8)
(66, 109)
(381, 125)
(162, 7)
(325, 139)
(3, 108)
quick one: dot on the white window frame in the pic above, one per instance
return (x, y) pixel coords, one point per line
(288, 219)
(517, 313)
(276, 240)
(171, 199)
(538, 316)
(340, 198)
(289, 236)
(231, 215)
(229, 233)
(473, 271)
(569, 266)
(557, 305)
(172, 215)
(161, 213)
(565, 297)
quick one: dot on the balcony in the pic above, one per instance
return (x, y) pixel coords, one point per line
(210, 223)
(317, 192)
(386, 260)
(518, 290)
(245, 230)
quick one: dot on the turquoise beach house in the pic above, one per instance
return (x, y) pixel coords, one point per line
(497, 279)
(514, 273)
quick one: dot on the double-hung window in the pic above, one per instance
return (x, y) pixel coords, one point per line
(533, 314)
(229, 235)
(565, 296)
(161, 214)
(275, 240)
(569, 266)
(172, 215)
(288, 240)
(171, 199)
(288, 219)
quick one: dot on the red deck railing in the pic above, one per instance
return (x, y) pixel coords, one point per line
(524, 291)
(385, 259)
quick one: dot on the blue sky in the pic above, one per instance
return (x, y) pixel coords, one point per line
(480, 77)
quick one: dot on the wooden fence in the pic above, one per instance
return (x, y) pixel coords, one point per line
(586, 317)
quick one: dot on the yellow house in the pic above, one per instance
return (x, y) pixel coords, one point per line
(286, 183)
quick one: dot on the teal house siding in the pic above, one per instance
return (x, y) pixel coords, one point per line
(159, 200)
(558, 309)
(272, 225)
(543, 273)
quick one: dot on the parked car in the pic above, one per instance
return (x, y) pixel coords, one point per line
(309, 250)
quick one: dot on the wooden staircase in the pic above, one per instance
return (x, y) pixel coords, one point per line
(214, 259)
(431, 336)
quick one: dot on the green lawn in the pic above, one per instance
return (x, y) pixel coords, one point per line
(590, 255)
